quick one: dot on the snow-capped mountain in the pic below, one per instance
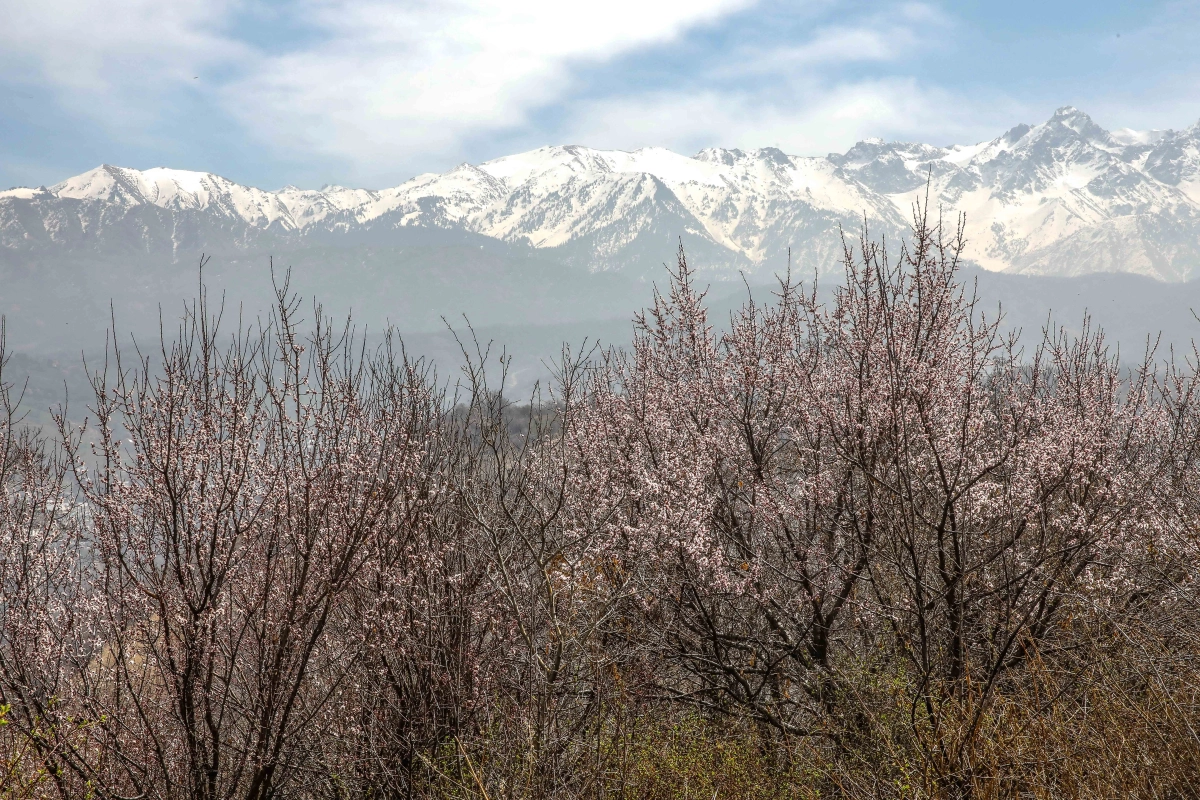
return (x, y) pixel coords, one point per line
(1065, 197)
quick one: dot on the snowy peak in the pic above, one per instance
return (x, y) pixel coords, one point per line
(1069, 131)
(173, 189)
(893, 167)
(1072, 119)
(550, 166)
(105, 184)
(1050, 198)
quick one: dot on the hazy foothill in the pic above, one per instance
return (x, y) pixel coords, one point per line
(588, 473)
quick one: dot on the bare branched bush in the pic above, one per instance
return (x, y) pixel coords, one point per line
(865, 548)
(831, 505)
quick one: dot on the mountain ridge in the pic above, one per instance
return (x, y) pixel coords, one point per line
(1065, 197)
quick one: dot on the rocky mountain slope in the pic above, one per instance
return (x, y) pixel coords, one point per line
(1065, 197)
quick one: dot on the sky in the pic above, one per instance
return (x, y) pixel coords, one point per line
(371, 92)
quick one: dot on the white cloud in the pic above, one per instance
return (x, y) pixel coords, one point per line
(425, 76)
(112, 59)
(885, 36)
(816, 120)
(378, 82)
(382, 87)
(796, 96)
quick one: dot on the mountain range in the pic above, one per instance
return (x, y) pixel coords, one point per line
(1065, 197)
(562, 243)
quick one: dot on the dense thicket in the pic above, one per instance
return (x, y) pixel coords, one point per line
(865, 549)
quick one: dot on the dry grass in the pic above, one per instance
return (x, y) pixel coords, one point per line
(1114, 732)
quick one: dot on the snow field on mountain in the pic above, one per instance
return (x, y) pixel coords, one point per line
(1038, 198)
